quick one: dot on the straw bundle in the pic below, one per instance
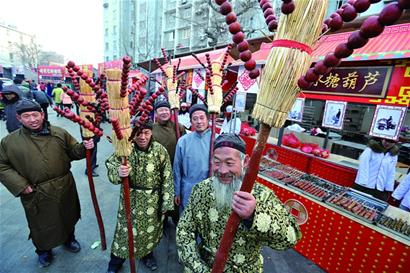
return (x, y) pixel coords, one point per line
(89, 96)
(278, 85)
(173, 98)
(214, 100)
(119, 110)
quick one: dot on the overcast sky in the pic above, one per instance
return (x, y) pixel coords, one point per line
(73, 28)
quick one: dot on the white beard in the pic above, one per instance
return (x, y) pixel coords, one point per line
(224, 192)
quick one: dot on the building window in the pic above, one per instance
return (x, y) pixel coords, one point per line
(186, 13)
(141, 41)
(114, 57)
(171, 20)
(143, 7)
(170, 36)
(172, 4)
(185, 33)
(107, 46)
(131, 44)
(11, 56)
(114, 30)
(106, 31)
(142, 25)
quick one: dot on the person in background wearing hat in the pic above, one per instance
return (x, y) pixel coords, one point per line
(230, 125)
(165, 133)
(151, 195)
(35, 163)
(11, 95)
(164, 129)
(377, 168)
(24, 87)
(265, 221)
(191, 162)
(402, 193)
(183, 116)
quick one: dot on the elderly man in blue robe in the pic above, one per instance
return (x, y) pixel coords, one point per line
(191, 162)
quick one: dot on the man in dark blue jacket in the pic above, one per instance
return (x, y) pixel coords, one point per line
(11, 94)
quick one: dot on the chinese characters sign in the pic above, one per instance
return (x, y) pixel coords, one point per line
(56, 71)
(354, 81)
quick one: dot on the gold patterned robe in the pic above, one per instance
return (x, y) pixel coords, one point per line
(271, 226)
(151, 195)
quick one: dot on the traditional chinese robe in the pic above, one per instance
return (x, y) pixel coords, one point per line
(271, 226)
(191, 163)
(151, 195)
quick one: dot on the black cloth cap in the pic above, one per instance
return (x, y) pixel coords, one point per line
(147, 124)
(162, 103)
(197, 107)
(230, 140)
(26, 105)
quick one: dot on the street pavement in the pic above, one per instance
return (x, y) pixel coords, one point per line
(17, 252)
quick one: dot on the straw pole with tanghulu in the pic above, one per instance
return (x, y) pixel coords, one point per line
(215, 76)
(86, 100)
(120, 116)
(288, 60)
(170, 72)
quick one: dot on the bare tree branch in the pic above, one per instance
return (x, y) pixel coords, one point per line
(28, 53)
(215, 28)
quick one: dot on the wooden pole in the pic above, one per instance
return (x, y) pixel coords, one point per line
(127, 206)
(211, 149)
(94, 200)
(233, 222)
(177, 133)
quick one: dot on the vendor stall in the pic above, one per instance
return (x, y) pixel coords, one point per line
(375, 76)
(343, 230)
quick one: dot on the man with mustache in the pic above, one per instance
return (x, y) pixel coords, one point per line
(35, 163)
(191, 163)
(151, 195)
(265, 221)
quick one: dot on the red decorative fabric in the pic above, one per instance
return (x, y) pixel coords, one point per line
(292, 44)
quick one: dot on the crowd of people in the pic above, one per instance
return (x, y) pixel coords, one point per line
(169, 177)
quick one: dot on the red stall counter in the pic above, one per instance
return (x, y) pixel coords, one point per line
(339, 242)
(310, 164)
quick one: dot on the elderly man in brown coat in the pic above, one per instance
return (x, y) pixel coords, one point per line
(35, 163)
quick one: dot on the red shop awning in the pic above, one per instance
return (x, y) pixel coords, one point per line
(393, 43)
